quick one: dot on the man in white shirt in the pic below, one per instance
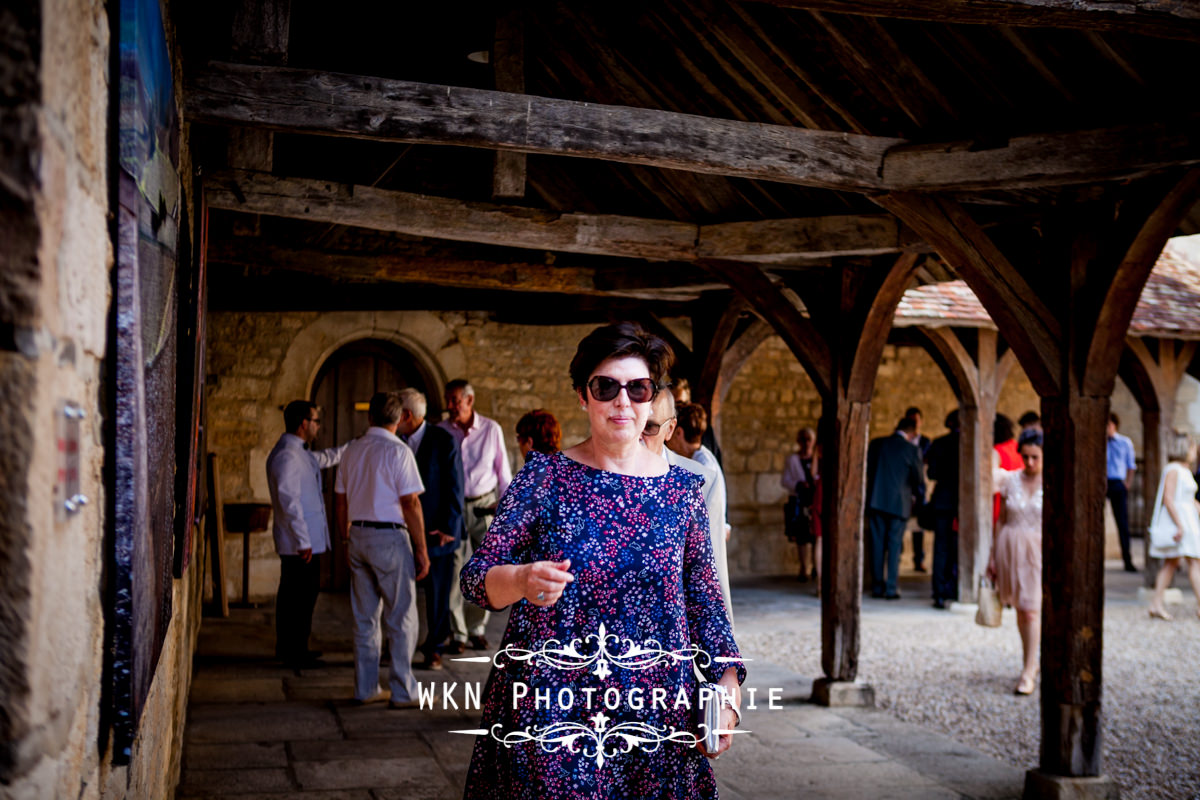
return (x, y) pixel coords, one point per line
(661, 426)
(486, 474)
(299, 526)
(378, 509)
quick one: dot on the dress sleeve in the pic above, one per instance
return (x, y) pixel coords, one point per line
(792, 473)
(708, 623)
(512, 531)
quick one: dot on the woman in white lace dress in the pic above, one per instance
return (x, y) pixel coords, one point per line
(1015, 565)
(1177, 510)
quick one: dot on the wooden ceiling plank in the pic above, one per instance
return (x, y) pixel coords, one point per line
(306, 101)
(1169, 19)
(1026, 50)
(837, 109)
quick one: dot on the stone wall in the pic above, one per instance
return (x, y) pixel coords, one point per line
(55, 289)
(768, 402)
(258, 362)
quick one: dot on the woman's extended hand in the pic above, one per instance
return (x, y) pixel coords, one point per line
(544, 581)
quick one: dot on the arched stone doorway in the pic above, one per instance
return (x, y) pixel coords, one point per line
(343, 388)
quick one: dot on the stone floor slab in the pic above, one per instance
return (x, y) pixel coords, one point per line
(401, 745)
(248, 690)
(205, 781)
(375, 773)
(234, 756)
(255, 723)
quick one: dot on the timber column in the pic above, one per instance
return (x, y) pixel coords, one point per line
(837, 331)
(1063, 298)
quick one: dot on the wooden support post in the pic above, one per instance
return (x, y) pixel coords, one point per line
(260, 34)
(1065, 311)
(839, 342)
(508, 66)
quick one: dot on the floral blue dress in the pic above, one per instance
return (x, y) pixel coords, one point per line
(603, 681)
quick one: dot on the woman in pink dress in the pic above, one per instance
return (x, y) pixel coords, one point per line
(1015, 565)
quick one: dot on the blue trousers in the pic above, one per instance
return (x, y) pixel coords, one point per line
(437, 601)
(383, 590)
(887, 539)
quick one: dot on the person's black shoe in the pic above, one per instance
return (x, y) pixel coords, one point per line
(877, 595)
(895, 596)
(939, 603)
(919, 568)
(1130, 568)
(802, 577)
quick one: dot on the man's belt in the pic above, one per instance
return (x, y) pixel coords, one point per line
(370, 523)
(479, 497)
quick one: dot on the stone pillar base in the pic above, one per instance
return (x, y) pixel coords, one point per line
(1042, 786)
(831, 693)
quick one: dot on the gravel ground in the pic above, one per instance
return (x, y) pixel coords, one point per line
(942, 671)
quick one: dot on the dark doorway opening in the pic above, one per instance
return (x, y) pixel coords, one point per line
(343, 389)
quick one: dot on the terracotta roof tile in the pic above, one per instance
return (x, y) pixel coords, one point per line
(1169, 305)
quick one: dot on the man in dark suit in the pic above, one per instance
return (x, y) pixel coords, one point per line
(942, 461)
(442, 504)
(894, 475)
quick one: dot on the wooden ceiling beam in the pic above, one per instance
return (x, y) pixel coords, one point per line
(675, 282)
(1168, 19)
(768, 241)
(334, 104)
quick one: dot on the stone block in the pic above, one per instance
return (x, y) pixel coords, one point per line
(1043, 786)
(419, 777)
(400, 745)
(260, 723)
(204, 782)
(826, 692)
(234, 756)
(246, 690)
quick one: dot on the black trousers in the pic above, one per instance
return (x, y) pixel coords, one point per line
(945, 557)
(1118, 495)
(437, 601)
(299, 584)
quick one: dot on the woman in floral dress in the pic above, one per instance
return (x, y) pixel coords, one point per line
(604, 555)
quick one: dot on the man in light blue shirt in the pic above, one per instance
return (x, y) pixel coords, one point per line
(300, 528)
(1121, 466)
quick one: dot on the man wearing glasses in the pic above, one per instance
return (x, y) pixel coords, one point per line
(300, 528)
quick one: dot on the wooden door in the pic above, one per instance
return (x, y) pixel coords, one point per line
(343, 389)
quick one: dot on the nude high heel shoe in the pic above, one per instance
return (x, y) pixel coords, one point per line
(1156, 614)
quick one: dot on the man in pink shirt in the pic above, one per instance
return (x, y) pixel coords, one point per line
(486, 474)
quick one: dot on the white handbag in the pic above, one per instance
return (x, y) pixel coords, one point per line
(1162, 527)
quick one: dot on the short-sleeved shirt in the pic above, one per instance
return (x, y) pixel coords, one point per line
(377, 470)
(1121, 460)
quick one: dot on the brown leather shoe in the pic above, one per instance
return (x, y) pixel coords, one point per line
(454, 648)
(432, 661)
(478, 643)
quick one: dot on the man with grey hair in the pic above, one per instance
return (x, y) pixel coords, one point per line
(440, 465)
(660, 426)
(379, 514)
(486, 474)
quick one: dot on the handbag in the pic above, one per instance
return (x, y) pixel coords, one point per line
(1162, 527)
(989, 611)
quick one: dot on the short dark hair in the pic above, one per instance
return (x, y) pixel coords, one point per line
(1114, 419)
(621, 340)
(692, 420)
(1031, 436)
(952, 420)
(295, 412)
(384, 408)
(1002, 429)
(541, 429)
(906, 424)
(1029, 418)
(913, 411)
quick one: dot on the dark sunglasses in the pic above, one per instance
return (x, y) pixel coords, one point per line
(604, 389)
(652, 427)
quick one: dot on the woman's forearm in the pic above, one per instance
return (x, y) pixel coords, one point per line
(505, 584)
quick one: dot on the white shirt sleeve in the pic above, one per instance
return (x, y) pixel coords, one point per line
(330, 456)
(289, 486)
(408, 477)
